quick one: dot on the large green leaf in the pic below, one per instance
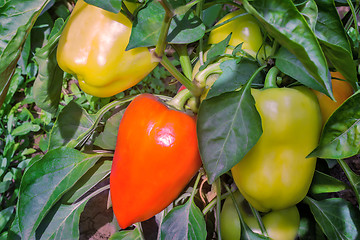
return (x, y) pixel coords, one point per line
(17, 18)
(341, 134)
(282, 20)
(330, 30)
(108, 5)
(234, 75)
(72, 123)
(75, 126)
(46, 181)
(309, 10)
(107, 138)
(185, 28)
(62, 222)
(48, 83)
(337, 218)
(228, 126)
(92, 177)
(289, 64)
(184, 222)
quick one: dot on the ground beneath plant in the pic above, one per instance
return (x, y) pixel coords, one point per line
(97, 222)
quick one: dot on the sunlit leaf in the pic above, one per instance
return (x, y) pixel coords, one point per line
(184, 222)
(341, 135)
(17, 18)
(46, 181)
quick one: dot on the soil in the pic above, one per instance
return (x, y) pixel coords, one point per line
(96, 220)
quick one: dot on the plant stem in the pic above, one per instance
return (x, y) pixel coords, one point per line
(161, 44)
(199, 13)
(180, 99)
(242, 222)
(195, 185)
(195, 90)
(218, 205)
(185, 62)
(352, 177)
(213, 202)
(259, 221)
(200, 78)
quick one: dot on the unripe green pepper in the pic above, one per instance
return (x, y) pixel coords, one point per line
(279, 225)
(276, 174)
(92, 47)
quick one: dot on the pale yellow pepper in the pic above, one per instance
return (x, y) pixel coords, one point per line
(92, 48)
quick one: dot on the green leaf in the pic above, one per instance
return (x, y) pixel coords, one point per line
(17, 18)
(46, 181)
(291, 66)
(186, 28)
(184, 222)
(336, 46)
(228, 126)
(92, 177)
(5, 216)
(215, 53)
(340, 137)
(353, 178)
(234, 75)
(113, 6)
(48, 83)
(134, 234)
(323, 183)
(14, 232)
(218, 49)
(5, 185)
(71, 125)
(25, 128)
(62, 222)
(309, 10)
(107, 138)
(211, 14)
(337, 218)
(286, 25)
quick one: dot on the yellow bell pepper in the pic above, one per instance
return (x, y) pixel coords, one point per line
(92, 47)
(275, 174)
(245, 29)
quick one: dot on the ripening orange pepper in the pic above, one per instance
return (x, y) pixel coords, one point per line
(342, 90)
(156, 156)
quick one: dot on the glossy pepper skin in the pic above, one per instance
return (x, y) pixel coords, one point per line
(275, 174)
(92, 47)
(156, 156)
(280, 225)
(244, 29)
(342, 90)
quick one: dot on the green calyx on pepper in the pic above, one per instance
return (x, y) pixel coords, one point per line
(92, 47)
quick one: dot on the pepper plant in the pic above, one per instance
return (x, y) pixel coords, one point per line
(211, 119)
